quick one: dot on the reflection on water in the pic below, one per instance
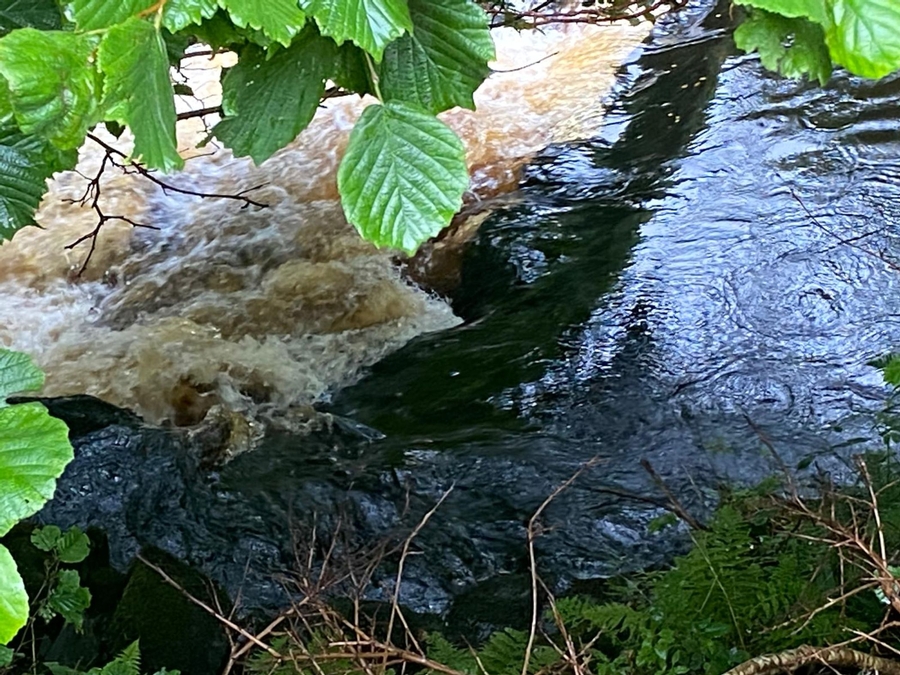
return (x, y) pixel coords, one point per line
(654, 290)
(272, 307)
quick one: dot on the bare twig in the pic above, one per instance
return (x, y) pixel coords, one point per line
(675, 505)
(543, 15)
(395, 599)
(532, 533)
(204, 606)
(114, 157)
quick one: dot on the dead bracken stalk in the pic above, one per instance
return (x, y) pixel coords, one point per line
(532, 532)
(834, 657)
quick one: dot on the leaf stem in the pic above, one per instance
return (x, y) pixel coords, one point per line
(373, 76)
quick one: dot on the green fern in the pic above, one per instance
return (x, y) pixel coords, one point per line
(126, 663)
(441, 650)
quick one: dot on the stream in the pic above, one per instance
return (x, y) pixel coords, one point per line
(711, 272)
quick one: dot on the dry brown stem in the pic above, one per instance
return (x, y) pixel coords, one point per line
(836, 657)
(533, 531)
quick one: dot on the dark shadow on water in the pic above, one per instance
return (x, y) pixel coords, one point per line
(537, 270)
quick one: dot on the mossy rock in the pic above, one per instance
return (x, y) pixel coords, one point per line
(174, 633)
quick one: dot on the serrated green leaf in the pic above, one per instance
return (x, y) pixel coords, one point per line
(6, 656)
(139, 92)
(96, 14)
(45, 538)
(809, 9)
(22, 186)
(280, 20)
(269, 100)
(41, 14)
(350, 71)
(218, 32)
(864, 36)
(403, 176)
(73, 547)
(46, 158)
(13, 598)
(52, 83)
(18, 374)
(370, 24)
(443, 61)
(34, 449)
(179, 14)
(69, 598)
(26, 161)
(792, 47)
(6, 111)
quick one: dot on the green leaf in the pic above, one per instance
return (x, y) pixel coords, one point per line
(891, 368)
(219, 32)
(864, 36)
(47, 158)
(6, 656)
(794, 9)
(179, 14)
(139, 92)
(443, 61)
(6, 111)
(96, 14)
(69, 598)
(350, 71)
(52, 83)
(792, 47)
(59, 669)
(73, 547)
(280, 20)
(403, 176)
(46, 538)
(370, 24)
(13, 598)
(26, 161)
(18, 374)
(42, 14)
(22, 186)
(269, 100)
(34, 450)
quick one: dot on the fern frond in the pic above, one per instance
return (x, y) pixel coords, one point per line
(126, 663)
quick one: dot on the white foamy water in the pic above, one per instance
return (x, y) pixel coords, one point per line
(265, 309)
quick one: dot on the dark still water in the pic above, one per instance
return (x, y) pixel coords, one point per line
(722, 253)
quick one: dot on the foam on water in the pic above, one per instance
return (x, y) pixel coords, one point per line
(265, 309)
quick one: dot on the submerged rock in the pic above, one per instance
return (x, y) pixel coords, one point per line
(248, 525)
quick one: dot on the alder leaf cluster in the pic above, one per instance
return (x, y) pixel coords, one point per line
(67, 66)
(809, 37)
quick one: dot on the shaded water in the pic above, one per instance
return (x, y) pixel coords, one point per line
(647, 293)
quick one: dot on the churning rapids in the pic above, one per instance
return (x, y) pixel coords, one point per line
(643, 295)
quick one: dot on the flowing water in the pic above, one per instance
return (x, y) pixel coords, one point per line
(712, 269)
(270, 308)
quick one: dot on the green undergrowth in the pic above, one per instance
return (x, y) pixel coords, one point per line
(759, 580)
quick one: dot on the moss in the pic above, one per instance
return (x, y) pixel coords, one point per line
(173, 632)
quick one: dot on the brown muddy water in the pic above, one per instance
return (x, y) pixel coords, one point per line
(266, 310)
